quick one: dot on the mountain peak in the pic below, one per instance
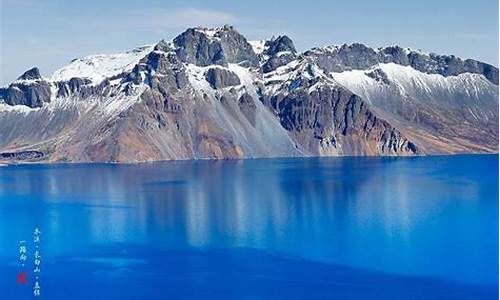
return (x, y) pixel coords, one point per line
(219, 45)
(31, 74)
(281, 43)
(211, 32)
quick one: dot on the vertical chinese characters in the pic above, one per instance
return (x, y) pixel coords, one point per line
(37, 261)
(22, 276)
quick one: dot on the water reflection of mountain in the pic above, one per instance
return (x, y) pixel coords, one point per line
(386, 214)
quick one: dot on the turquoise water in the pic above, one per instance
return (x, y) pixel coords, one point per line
(312, 228)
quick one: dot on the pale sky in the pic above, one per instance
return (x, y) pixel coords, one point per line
(49, 33)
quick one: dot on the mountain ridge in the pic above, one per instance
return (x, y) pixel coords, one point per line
(210, 93)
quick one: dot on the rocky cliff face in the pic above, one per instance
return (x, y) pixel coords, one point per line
(29, 89)
(221, 78)
(328, 119)
(209, 93)
(209, 46)
(278, 52)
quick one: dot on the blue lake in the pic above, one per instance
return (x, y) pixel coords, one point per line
(315, 228)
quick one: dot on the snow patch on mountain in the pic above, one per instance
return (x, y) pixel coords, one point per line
(209, 32)
(196, 77)
(287, 77)
(20, 109)
(102, 66)
(112, 106)
(246, 77)
(412, 83)
(258, 46)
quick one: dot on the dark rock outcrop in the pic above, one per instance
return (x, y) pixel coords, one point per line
(277, 61)
(378, 75)
(336, 118)
(221, 78)
(75, 84)
(21, 155)
(281, 51)
(32, 94)
(30, 89)
(159, 69)
(31, 74)
(248, 107)
(81, 88)
(279, 44)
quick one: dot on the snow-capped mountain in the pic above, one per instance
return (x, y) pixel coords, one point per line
(210, 93)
